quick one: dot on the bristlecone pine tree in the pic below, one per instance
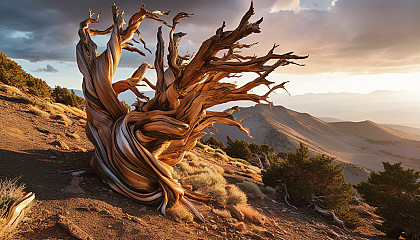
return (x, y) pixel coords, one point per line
(135, 151)
(395, 193)
(314, 181)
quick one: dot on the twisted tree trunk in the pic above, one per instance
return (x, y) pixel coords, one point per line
(135, 151)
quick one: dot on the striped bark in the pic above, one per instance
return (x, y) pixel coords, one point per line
(135, 150)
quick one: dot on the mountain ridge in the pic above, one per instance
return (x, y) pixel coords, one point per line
(364, 143)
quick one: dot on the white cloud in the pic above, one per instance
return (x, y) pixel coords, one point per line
(286, 5)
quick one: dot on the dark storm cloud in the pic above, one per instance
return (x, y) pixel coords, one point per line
(355, 36)
(48, 68)
(47, 29)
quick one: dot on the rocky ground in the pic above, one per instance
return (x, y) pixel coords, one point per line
(47, 154)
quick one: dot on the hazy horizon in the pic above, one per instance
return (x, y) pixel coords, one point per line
(353, 45)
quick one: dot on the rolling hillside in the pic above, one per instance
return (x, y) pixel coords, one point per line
(365, 144)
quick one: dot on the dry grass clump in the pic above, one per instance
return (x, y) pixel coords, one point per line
(200, 145)
(222, 213)
(38, 112)
(220, 151)
(28, 100)
(235, 195)
(45, 106)
(73, 135)
(181, 214)
(251, 189)
(207, 178)
(10, 89)
(251, 214)
(10, 191)
(75, 111)
(224, 157)
(63, 118)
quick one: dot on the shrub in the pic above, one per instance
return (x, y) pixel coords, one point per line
(238, 148)
(314, 180)
(12, 74)
(214, 143)
(251, 188)
(63, 95)
(395, 193)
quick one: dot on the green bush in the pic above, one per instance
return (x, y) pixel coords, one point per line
(238, 148)
(62, 95)
(395, 193)
(314, 180)
(12, 74)
(214, 143)
(252, 152)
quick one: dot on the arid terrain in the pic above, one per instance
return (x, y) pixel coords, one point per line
(365, 144)
(47, 154)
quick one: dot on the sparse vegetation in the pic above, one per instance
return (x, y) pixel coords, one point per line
(315, 181)
(251, 214)
(63, 95)
(395, 192)
(251, 189)
(208, 179)
(10, 191)
(181, 214)
(10, 89)
(222, 213)
(39, 112)
(12, 74)
(235, 195)
(214, 143)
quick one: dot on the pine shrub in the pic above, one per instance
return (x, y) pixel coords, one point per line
(395, 193)
(310, 179)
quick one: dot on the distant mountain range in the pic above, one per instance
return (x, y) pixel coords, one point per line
(384, 107)
(364, 143)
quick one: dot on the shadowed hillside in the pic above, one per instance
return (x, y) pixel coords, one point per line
(362, 143)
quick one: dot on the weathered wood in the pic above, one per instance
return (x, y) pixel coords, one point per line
(135, 151)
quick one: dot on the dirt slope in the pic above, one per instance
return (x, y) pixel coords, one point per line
(30, 148)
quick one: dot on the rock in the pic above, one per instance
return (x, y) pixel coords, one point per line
(74, 186)
(236, 212)
(59, 143)
(73, 229)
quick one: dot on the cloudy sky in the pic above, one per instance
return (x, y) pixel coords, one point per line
(353, 45)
